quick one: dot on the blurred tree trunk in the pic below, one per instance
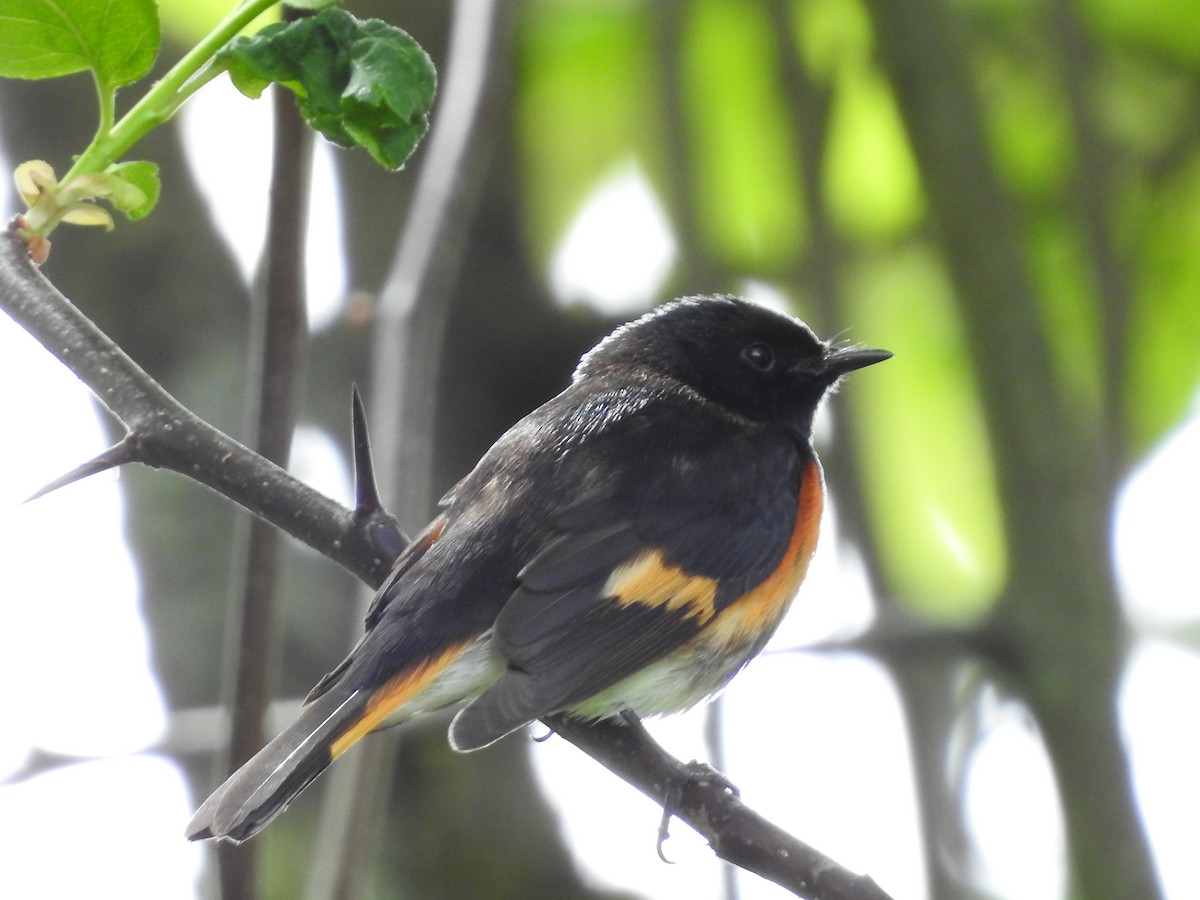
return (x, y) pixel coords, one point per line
(1059, 624)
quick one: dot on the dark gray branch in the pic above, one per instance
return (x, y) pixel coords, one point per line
(736, 833)
(167, 435)
(163, 433)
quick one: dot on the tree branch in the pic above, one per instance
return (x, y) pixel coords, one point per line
(162, 433)
(736, 833)
(1059, 614)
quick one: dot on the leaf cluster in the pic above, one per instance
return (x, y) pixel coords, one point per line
(359, 83)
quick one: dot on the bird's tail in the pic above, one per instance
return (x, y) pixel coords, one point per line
(262, 788)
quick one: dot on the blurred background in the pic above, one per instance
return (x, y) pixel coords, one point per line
(987, 686)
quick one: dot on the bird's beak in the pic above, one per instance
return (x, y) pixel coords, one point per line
(839, 362)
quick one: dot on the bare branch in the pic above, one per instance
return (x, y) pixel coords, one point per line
(736, 833)
(166, 435)
(172, 437)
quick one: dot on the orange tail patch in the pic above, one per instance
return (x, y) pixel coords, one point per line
(395, 692)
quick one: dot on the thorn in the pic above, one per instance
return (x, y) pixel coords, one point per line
(366, 489)
(120, 453)
(381, 527)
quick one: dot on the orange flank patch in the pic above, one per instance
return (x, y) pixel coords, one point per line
(432, 533)
(387, 699)
(763, 607)
(650, 580)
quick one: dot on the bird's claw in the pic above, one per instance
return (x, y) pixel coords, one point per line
(694, 772)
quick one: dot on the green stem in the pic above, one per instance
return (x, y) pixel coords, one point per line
(106, 99)
(166, 96)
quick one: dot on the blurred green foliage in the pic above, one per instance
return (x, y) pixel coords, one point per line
(786, 151)
(747, 191)
(186, 21)
(594, 90)
(922, 443)
(587, 104)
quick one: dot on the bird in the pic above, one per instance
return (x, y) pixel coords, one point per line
(621, 551)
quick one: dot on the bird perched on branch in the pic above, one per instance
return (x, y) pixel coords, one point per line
(622, 550)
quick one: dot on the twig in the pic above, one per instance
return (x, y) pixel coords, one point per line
(1091, 194)
(164, 433)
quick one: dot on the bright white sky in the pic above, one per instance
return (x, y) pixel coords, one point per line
(76, 680)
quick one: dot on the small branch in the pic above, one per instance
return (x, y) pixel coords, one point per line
(167, 94)
(736, 833)
(163, 433)
(1091, 196)
(167, 435)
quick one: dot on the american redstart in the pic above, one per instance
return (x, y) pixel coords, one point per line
(622, 550)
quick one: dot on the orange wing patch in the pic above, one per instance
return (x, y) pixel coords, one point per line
(650, 580)
(387, 699)
(762, 607)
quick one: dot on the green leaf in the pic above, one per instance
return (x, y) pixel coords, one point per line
(360, 83)
(135, 187)
(117, 39)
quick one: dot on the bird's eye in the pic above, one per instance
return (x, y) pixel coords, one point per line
(761, 356)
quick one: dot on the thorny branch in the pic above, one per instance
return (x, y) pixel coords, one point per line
(162, 433)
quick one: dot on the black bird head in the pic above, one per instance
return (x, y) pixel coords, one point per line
(757, 363)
